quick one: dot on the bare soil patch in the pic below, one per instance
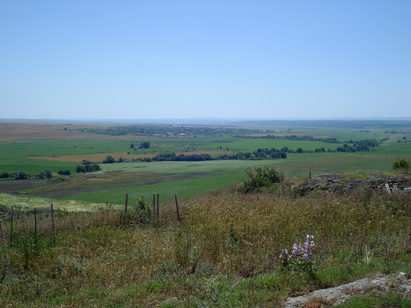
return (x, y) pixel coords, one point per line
(16, 131)
(10, 187)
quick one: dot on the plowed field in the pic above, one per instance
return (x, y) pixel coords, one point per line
(14, 132)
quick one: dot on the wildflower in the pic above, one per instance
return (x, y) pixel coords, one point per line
(300, 259)
(282, 255)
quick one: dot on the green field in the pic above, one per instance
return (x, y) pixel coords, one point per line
(188, 179)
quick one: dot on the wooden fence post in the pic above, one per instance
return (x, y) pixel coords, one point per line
(53, 229)
(158, 209)
(125, 211)
(178, 210)
(11, 226)
(154, 210)
(3, 238)
(35, 227)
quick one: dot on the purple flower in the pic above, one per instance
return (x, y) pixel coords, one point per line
(284, 253)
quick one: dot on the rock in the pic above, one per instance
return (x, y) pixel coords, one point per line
(339, 295)
(335, 183)
(170, 300)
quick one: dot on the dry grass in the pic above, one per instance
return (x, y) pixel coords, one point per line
(225, 253)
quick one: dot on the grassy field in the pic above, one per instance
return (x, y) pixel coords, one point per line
(114, 180)
(183, 188)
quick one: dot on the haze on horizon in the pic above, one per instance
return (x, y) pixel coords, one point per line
(205, 59)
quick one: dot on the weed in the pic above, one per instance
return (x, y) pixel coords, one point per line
(140, 214)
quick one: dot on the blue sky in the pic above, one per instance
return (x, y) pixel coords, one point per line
(190, 59)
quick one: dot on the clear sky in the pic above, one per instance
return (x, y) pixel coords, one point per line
(140, 59)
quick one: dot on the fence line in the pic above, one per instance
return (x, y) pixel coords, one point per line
(45, 226)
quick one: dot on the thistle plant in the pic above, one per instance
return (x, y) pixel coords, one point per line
(300, 258)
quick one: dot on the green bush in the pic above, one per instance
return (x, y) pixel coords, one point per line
(401, 163)
(49, 175)
(259, 178)
(22, 175)
(140, 214)
(109, 160)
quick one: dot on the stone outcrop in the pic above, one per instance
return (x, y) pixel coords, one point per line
(335, 183)
(339, 295)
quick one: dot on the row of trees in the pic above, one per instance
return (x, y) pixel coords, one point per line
(294, 137)
(181, 157)
(22, 175)
(358, 146)
(256, 155)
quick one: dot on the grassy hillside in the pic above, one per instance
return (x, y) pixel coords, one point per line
(225, 253)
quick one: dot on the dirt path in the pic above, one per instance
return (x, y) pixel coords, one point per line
(10, 188)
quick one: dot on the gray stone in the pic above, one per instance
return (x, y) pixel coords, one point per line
(339, 295)
(335, 183)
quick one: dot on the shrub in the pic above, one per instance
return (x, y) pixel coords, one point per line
(401, 163)
(22, 175)
(109, 160)
(64, 172)
(41, 175)
(259, 178)
(141, 213)
(144, 145)
(49, 175)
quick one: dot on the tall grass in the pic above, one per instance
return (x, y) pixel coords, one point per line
(224, 253)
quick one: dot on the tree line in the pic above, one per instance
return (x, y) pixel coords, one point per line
(293, 137)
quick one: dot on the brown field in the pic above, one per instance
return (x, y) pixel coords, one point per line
(101, 156)
(282, 135)
(14, 132)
